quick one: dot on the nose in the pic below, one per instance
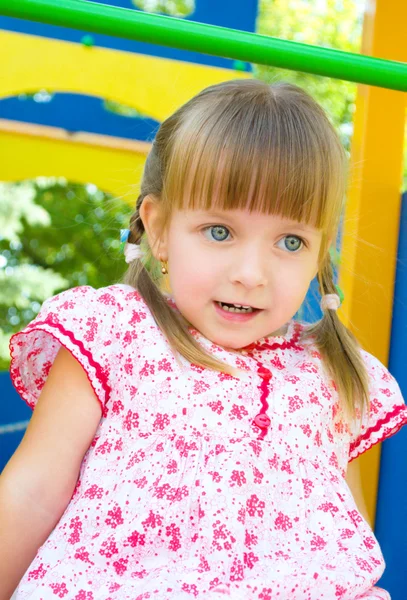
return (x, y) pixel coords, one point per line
(250, 268)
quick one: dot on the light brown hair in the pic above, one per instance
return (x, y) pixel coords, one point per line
(249, 145)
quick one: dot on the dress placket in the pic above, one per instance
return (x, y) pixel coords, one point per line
(262, 419)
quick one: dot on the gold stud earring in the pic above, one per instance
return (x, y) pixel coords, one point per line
(164, 270)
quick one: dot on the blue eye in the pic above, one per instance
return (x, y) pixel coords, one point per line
(292, 243)
(218, 231)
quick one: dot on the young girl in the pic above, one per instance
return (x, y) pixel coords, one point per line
(184, 447)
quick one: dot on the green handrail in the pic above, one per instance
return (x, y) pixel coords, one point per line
(210, 39)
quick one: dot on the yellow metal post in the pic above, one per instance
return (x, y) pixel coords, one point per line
(372, 215)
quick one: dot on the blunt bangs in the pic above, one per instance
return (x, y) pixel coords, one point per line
(260, 155)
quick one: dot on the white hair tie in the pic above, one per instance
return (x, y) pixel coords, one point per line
(132, 252)
(330, 301)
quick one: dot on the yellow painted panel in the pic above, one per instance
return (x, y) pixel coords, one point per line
(372, 215)
(154, 86)
(115, 171)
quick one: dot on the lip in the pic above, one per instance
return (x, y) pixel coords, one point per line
(235, 317)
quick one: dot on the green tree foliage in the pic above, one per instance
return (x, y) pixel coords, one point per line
(54, 235)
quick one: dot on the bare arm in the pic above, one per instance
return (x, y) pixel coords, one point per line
(38, 481)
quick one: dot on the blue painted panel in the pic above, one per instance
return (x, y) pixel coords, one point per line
(228, 13)
(13, 410)
(391, 516)
(75, 112)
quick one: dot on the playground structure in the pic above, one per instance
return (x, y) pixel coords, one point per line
(114, 163)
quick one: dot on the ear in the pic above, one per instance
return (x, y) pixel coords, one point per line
(151, 216)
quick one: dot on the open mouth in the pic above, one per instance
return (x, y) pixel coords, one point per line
(236, 308)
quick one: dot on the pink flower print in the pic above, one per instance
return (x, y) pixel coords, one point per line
(308, 485)
(258, 476)
(363, 564)
(161, 421)
(190, 589)
(277, 364)
(128, 366)
(183, 447)
(241, 515)
(333, 460)
(325, 391)
(200, 386)
(346, 534)
(250, 539)
(292, 378)
(108, 548)
(37, 573)
(313, 398)
(76, 525)
(238, 411)
(256, 447)
(220, 532)
(250, 559)
(328, 507)
(113, 587)
(265, 594)
(120, 566)
(386, 392)
(369, 543)
(128, 337)
(164, 365)
(196, 368)
(117, 407)
(131, 420)
(285, 466)
(135, 458)
(318, 439)
(82, 595)
(255, 506)
(203, 565)
(94, 492)
(224, 376)
(153, 520)
(172, 467)
(92, 326)
(82, 554)
(148, 369)
(137, 317)
(273, 462)
(307, 367)
(174, 532)
(68, 305)
(355, 517)
(215, 476)
(242, 365)
(306, 429)
(294, 403)
(104, 448)
(141, 483)
(136, 539)
(115, 517)
(237, 477)
(59, 589)
(317, 543)
(236, 571)
(216, 406)
(283, 522)
(339, 591)
(219, 448)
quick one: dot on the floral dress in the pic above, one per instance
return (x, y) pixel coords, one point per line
(199, 483)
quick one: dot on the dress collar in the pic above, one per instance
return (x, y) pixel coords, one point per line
(284, 340)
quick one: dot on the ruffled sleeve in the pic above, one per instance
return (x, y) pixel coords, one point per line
(388, 411)
(80, 319)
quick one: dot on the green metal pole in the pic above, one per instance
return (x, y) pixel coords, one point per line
(209, 39)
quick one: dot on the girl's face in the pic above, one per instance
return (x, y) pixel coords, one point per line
(238, 257)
